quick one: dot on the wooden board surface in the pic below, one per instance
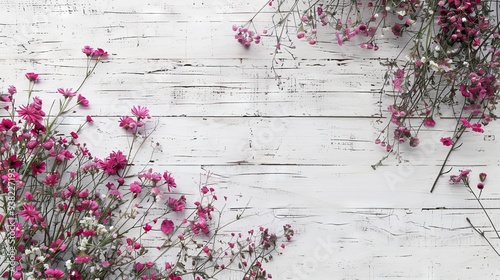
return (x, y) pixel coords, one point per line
(300, 152)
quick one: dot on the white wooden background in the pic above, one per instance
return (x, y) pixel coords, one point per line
(301, 153)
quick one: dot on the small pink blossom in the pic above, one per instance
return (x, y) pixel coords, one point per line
(32, 77)
(83, 101)
(429, 122)
(135, 187)
(169, 180)
(66, 92)
(447, 141)
(140, 112)
(30, 213)
(177, 205)
(167, 226)
(147, 227)
(54, 272)
(87, 50)
(482, 176)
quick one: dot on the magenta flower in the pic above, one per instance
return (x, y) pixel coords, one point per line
(429, 122)
(33, 112)
(87, 50)
(167, 226)
(135, 188)
(66, 92)
(83, 101)
(177, 205)
(128, 123)
(89, 119)
(54, 272)
(147, 227)
(51, 179)
(114, 163)
(169, 180)
(482, 176)
(37, 168)
(12, 90)
(32, 77)
(447, 141)
(6, 124)
(140, 112)
(30, 213)
(397, 30)
(99, 53)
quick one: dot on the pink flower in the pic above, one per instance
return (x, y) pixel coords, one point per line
(177, 205)
(99, 53)
(206, 250)
(128, 123)
(447, 141)
(89, 119)
(397, 30)
(301, 35)
(138, 266)
(87, 50)
(482, 176)
(30, 213)
(83, 101)
(37, 168)
(74, 135)
(465, 122)
(12, 90)
(32, 77)
(477, 128)
(172, 276)
(167, 226)
(429, 122)
(47, 145)
(169, 180)
(147, 227)
(6, 124)
(140, 112)
(54, 272)
(51, 179)
(33, 112)
(480, 185)
(339, 39)
(83, 259)
(115, 162)
(28, 196)
(66, 92)
(135, 188)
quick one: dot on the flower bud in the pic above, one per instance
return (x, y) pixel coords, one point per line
(482, 176)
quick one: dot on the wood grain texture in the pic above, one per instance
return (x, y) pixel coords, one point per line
(300, 152)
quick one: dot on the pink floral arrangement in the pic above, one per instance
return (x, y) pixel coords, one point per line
(69, 214)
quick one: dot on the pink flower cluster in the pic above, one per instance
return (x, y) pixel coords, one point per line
(94, 53)
(245, 36)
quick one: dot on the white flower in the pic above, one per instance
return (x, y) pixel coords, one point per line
(387, 8)
(68, 264)
(434, 65)
(40, 258)
(401, 13)
(423, 59)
